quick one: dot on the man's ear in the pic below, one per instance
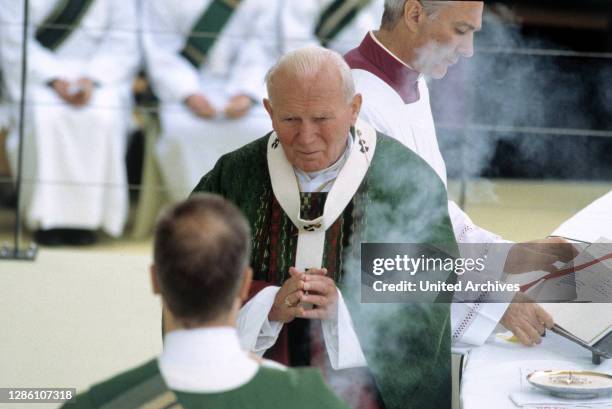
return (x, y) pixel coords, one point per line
(356, 107)
(247, 279)
(268, 106)
(413, 14)
(154, 279)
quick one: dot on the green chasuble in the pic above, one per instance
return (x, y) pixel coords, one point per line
(271, 388)
(400, 200)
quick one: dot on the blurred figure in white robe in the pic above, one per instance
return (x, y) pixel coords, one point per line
(336, 24)
(206, 60)
(82, 55)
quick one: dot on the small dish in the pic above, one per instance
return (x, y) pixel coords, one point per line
(572, 384)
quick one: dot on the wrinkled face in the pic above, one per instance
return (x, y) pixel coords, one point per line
(311, 117)
(447, 36)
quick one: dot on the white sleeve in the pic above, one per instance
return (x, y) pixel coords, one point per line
(43, 64)
(173, 78)
(258, 52)
(118, 55)
(257, 334)
(473, 323)
(341, 341)
(465, 229)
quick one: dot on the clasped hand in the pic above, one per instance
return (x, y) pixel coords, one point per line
(78, 93)
(314, 287)
(237, 107)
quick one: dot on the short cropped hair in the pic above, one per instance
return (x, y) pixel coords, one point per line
(201, 250)
(394, 10)
(308, 61)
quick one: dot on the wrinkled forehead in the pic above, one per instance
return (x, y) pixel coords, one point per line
(292, 84)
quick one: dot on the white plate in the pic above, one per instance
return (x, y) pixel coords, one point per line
(572, 384)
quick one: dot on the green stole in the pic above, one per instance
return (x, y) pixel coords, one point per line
(144, 387)
(206, 30)
(335, 17)
(411, 360)
(63, 20)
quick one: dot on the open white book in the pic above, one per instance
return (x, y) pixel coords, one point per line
(589, 224)
(584, 288)
(588, 324)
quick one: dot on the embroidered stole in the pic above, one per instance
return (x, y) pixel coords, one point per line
(311, 233)
(335, 17)
(205, 31)
(61, 22)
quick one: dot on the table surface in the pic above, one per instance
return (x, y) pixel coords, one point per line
(493, 371)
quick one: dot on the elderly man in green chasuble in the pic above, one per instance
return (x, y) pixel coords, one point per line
(313, 190)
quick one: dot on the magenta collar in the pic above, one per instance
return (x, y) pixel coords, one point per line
(374, 58)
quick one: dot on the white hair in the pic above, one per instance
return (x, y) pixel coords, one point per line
(307, 62)
(394, 10)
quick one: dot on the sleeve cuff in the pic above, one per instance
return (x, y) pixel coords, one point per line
(474, 323)
(340, 331)
(257, 334)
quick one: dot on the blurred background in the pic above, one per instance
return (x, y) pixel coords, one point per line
(124, 105)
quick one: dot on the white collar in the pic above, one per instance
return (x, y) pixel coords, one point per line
(313, 181)
(205, 360)
(371, 33)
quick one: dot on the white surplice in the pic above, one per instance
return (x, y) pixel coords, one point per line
(412, 124)
(236, 65)
(298, 19)
(74, 168)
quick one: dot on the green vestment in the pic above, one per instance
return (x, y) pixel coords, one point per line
(271, 388)
(400, 200)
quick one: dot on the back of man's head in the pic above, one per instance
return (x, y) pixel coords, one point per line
(201, 251)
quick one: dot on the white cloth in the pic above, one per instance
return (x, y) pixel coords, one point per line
(298, 20)
(206, 360)
(590, 223)
(413, 126)
(494, 372)
(257, 333)
(74, 171)
(236, 65)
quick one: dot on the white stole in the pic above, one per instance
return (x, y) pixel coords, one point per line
(311, 233)
(341, 341)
